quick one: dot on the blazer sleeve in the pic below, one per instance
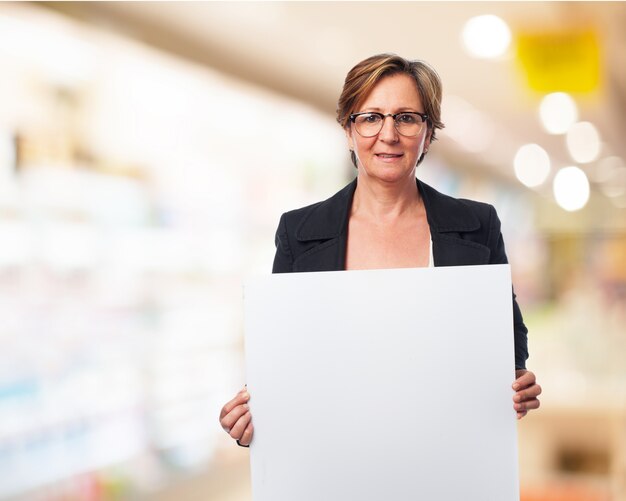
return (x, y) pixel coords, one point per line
(498, 256)
(283, 260)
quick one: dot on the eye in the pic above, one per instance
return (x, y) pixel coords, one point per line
(370, 118)
(408, 118)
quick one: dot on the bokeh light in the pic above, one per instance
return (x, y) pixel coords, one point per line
(583, 142)
(571, 188)
(532, 165)
(558, 112)
(486, 36)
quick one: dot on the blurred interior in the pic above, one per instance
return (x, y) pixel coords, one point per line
(147, 151)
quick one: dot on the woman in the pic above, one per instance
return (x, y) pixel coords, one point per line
(390, 109)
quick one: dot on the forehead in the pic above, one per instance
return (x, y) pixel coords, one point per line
(393, 92)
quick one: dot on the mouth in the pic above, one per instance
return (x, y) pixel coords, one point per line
(389, 156)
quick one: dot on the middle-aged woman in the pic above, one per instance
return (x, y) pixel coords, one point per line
(390, 110)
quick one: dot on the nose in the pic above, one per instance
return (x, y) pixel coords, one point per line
(388, 133)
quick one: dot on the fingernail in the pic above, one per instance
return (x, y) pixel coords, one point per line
(516, 386)
(245, 394)
(246, 406)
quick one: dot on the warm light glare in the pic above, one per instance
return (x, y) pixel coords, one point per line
(612, 177)
(486, 36)
(532, 165)
(604, 169)
(571, 188)
(583, 142)
(558, 112)
(56, 50)
(469, 127)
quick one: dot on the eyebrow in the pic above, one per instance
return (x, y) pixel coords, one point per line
(400, 110)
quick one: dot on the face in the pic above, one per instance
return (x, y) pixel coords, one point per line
(390, 156)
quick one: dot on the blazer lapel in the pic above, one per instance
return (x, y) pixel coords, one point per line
(448, 218)
(326, 225)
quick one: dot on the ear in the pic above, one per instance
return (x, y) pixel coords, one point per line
(429, 134)
(348, 131)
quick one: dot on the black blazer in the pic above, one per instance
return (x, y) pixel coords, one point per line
(463, 232)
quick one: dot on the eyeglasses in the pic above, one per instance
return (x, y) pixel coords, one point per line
(407, 123)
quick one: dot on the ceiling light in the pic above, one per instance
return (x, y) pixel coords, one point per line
(571, 188)
(558, 112)
(532, 165)
(583, 142)
(486, 36)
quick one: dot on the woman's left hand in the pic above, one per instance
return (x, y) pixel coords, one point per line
(526, 392)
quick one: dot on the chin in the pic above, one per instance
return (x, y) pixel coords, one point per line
(389, 174)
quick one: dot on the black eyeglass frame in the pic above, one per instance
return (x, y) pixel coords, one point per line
(423, 116)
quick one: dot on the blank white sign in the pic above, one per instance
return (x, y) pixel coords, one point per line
(382, 385)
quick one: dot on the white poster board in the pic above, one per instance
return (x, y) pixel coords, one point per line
(382, 385)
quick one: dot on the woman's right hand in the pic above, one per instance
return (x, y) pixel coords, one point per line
(236, 420)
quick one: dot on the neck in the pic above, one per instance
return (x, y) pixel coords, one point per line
(385, 201)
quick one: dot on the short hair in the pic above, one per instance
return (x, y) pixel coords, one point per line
(363, 77)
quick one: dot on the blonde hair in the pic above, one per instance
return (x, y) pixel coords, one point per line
(362, 78)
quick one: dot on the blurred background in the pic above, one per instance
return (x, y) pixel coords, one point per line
(147, 151)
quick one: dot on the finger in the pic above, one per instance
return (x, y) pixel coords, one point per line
(521, 414)
(230, 419)
(246, 438)
(528, 394)
(241, 398)
(528, 405)
(240, 426)
(525, 380)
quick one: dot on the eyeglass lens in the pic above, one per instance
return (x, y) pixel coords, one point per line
(407, 124)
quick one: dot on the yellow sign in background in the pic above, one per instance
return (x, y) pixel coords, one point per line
(567, 61)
